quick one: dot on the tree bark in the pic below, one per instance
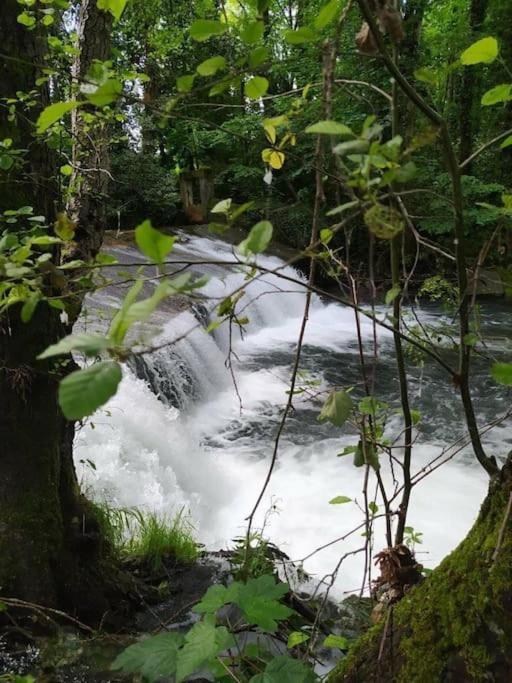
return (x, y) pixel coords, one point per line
(51, 549)
(456, 625)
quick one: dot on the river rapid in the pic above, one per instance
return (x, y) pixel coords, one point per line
(180, 435)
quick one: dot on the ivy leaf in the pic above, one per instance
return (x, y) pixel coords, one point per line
(502, 373)
(337, 408)
(285, 669)
(202, 643)
(340, 500)
(257, 240)
(90, 344)
(210, 66)
(53, 113)
(115, 7)
(329, 128)
(252, 33)
(326, 14)
(484, 51)
(153, 243)
(84, 391)
(154, 658)
(256, 87)
(105, 94)
(500, 93)
(203, 29)
(300, 36)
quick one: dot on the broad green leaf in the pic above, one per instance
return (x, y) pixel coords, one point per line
(329, 128)
(392, 293)
(90, 344)
(283, 669)
(326, 235)
(26, 19)
(336, 641)
(498, 94)
(252, 33)
(296, 638)
(53, 113)
(154, 658)
(6, 162)
(223, 206)
(216, 597)
(502, 373)
(340, 500)
(337, 408)
(210, 66)
(185, 83)
(258, 56)
(300, 36)
(84, 391)
(257, 240)
(64, 227)
(115, 7)
(202, 643)
(203, 29)
(256, 87)
(29, 307)
(66, 170)
(139, 311)
(384, 221)
(506, 142)
(327, 14)
(484, 51)
(153, 243)
(105, 94)
(273, 157)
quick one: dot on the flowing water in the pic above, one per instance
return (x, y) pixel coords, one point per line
(179, 434)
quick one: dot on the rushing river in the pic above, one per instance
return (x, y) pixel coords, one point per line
(178, 434)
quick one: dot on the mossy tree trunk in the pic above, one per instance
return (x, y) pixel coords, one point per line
(51, 550)
(456, 626)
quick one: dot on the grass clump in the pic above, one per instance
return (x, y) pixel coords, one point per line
(148, 537)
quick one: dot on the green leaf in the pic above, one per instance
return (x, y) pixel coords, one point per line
(336, 641)
(426, 75)
(257, 240)
(502, 373)
(296, 638)
(283, 669)
(154, 658)
(327, 14)
(64, 227)
(256, 87)
(216, 597)
(484, 51)
(506, 142)
(153, 243)
(115, 7)
(29, 307)
(6, 162)
(340, 500)
(384, 222)
(105, 94)
(252, 33)
(90, 344)
(336, 409)
(222, 207)
(53, 113)
(326, 235)
(210, 66)
(300, 36)
(66, 170)
(329, 128)
(84, 391)
(415, 416)
(138, 311)
(258, 56)
(202, 643)
(203, 29)
(185, 83)
(392, 294)
(500, 93)
(26, 19)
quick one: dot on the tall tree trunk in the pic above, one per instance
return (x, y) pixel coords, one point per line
(90, 145)
(456, 625)
(470, 90)
(51, 551)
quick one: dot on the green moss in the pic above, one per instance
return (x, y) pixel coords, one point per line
(456, 625)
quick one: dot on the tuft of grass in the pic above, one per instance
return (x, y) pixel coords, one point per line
(148, 537)
(157, 538)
